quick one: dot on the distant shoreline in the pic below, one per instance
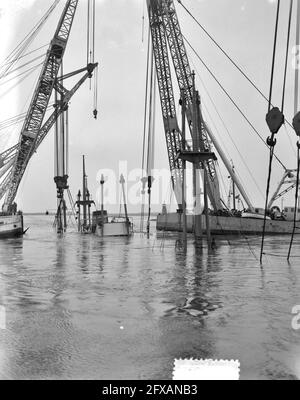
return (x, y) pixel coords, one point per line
(112, 214)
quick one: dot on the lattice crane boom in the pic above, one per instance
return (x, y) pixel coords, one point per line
(166, 31)
(167, 99)
(31, 131)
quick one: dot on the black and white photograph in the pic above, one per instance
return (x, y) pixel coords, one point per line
(149, 193)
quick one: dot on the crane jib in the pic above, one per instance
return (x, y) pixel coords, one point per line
(166, 33)
(30, 133)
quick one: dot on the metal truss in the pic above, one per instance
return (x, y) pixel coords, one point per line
(30, 133)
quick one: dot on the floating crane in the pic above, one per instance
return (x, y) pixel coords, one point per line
(14, 161)
(167, 38)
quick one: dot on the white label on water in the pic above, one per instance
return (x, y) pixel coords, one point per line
(206, 370)
(2, 317)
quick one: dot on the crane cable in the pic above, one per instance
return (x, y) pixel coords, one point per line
(296, 201)
(90, 49)
(91, 31)
(144, 133)
(151, 133)
(296, 104)
(271, 141)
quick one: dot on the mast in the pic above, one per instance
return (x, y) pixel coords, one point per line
(84, 189)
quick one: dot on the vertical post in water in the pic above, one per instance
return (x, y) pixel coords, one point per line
(208, 235)
(102, 181)
(122, 182)
(233, 189)
(79, 211)
(196, 182)
(184, 222)
(84, 193)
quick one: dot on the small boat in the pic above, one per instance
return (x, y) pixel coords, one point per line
(116, 226)
(11, 225)
(119, 226)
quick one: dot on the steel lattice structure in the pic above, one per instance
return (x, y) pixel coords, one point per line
(166, 33)
(31, 133)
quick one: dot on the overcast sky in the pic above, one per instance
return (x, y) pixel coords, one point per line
(245, 29)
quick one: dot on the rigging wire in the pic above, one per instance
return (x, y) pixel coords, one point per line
(296, 101)
(296, 201)
(287, 55)
(231, 99)
(23, 65)
(271, 140)
(27, 54)
(234, 63)
(227, 130)
(16, 119)
(15, 55)
(274, 56)
(20, 74)
(17, 83)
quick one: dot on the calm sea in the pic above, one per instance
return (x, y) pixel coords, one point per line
(83, 307)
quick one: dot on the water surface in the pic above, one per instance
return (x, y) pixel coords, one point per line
(82, 307)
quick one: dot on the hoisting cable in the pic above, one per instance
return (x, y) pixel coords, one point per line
(287, 55)
(90, 49)
(143, 23)
(296, 124)
(94, 28)
(95, 112)
(296, 199)
(151, 130)
(275, 118)
(143, 179)
(88, 32)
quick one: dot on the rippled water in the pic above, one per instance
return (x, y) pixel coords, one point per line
(83, 307)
